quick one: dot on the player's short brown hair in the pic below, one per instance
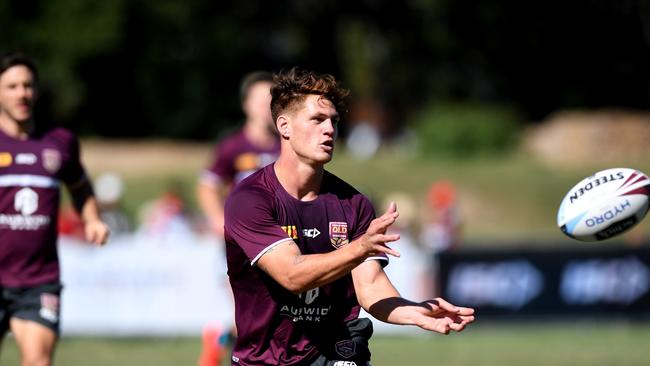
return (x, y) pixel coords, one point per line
(292, 87)
(9, 60)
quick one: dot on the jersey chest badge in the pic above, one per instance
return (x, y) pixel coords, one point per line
(338, 234)
(51, 160)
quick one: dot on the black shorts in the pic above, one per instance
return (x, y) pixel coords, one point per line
(352, 349)
(40, 304)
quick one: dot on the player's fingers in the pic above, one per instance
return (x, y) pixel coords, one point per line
(467, 319)
(382, 248)
(104, 237)
(457, 327)
(444, 305)
(443, 327)
(379, 226)
(392, 207)
(465, 311)
(387, 238)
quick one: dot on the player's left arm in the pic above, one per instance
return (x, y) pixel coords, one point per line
(377, 295)
(83, 198)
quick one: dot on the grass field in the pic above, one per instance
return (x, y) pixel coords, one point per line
(485, 344)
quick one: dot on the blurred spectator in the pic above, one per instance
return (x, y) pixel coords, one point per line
(166, 216)
(368, 125)
(109, 188)
(363, 141)
(409, 271)
(441, 230)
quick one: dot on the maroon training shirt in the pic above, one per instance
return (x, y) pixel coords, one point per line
(236, 157)
(276, 327)
(31, 172)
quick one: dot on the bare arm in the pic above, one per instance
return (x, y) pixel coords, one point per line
(298, 273)
(85, 203)
(377, 295)
(211, 202)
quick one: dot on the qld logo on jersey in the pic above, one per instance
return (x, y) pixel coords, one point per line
(51, 160)
(338, 234)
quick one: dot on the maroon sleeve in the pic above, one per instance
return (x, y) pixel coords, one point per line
(72, 171)
(250, 222)
(365, 215)
(222, 166)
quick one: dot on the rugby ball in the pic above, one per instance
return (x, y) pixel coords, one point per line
(604, 205)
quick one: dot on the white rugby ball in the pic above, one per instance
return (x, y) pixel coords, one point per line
(605, 204)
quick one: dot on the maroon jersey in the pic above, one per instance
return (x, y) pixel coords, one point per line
(236, 157)
(276, 327)
(31, 172)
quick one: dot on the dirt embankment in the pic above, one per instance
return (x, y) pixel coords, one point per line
(144, 157)
(583, 137)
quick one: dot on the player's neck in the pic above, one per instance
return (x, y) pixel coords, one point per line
(15, 129)
(302, 181)
(259, 134)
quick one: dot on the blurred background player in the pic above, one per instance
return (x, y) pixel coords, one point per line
(34, 161)
(442, 229)
(236, 156)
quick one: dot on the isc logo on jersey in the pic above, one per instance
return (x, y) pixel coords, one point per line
(338, 234)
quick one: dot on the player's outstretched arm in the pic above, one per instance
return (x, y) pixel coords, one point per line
(378, 296)
(299, 272)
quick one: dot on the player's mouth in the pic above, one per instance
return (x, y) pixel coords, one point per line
(328, 145)
(23, 106)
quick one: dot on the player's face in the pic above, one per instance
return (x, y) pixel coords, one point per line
(17, 93)
(312, 130)
(257, 105)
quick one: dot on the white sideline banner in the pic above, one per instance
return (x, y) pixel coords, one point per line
(139, 285)
(143, 286)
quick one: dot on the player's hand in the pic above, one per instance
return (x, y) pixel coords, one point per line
(375, 239)
(96, 232)
(440, 316)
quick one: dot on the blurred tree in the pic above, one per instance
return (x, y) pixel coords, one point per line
(171, 68)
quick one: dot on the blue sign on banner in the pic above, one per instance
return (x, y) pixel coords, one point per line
(597, 281)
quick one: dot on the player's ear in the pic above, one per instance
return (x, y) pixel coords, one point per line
(283, 126)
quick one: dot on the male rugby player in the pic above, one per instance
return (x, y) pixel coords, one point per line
(305, 252)
(34, 161)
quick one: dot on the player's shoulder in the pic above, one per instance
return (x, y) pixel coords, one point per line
(260, 184)
(61, 134)
(334, 184)
(60, 137)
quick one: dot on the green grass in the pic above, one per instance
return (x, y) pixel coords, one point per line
(531, 344)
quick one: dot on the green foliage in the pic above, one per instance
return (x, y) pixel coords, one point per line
(466, 130)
